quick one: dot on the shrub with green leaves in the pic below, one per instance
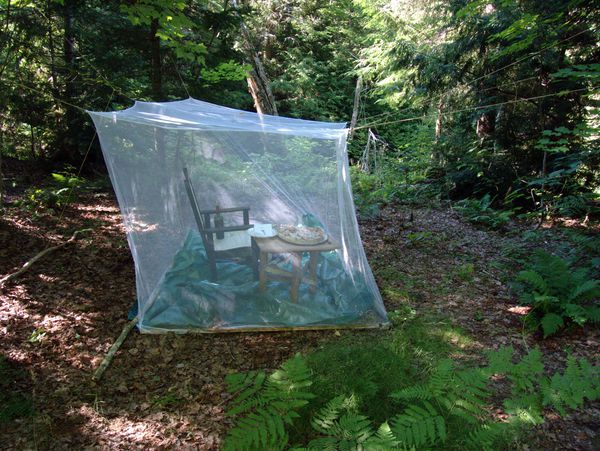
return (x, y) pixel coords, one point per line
(480, 211)
(449, 410)
(558, 294)
(55, 195)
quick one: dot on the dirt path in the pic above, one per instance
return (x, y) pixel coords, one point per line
(58, 320)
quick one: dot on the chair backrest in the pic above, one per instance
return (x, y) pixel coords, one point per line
(194, 204)
(203, 217)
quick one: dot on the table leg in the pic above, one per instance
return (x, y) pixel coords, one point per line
(255, 258)
(262, 275)
(296, 275)
(312, 270)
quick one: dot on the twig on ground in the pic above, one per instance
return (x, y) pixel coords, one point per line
(29, 263)
(113, 350)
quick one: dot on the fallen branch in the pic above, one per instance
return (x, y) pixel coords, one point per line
(113, 350)
(28, 265)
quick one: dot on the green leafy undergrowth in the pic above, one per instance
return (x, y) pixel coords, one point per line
(369, 366)
(480, 212)
(558, 294)
(266, 405)
(449, 409)
(54, 195)
(13, 403)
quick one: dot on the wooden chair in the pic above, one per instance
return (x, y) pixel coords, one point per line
(236, 242)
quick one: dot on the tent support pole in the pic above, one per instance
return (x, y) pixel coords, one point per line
(113, 350)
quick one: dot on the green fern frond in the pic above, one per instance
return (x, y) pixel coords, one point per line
(557, 290)
(580, 381)
(326, 417)
(551, 323)
(534, 279)
(438, 383)
(248, 388)
(419, 392)
(500, 361)
(324, 444)
(268, 403)
(418, 426)
(383, 439)
(348, 431)
(526, 373)
(586, 291)
(593, 313)
(485, 436)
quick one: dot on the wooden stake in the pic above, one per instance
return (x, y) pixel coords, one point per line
(357, 92)
(113, 350)
(28, 265)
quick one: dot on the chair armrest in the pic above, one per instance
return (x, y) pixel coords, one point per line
(225, 210)
(228, 228)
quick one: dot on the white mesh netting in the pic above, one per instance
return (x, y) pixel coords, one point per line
(288, 255)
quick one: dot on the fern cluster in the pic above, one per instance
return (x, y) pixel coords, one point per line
(432, 415)
(267, 404)
(448, 398)
(558, 293)
(480, 211)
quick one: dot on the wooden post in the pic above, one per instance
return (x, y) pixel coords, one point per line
(357, 92)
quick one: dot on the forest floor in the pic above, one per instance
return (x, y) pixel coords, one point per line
(58, 320)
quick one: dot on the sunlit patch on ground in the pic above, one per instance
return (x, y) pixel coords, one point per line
(519, 310)
(59, 320)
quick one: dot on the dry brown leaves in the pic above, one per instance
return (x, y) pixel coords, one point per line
(59, 319)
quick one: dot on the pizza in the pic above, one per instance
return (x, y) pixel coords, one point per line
(301, 234)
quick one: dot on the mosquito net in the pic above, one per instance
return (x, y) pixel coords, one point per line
(237, 220)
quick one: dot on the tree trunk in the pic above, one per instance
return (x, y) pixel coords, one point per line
(436, 155)
(260, 88)
(1, 175)
(258, 82)
(1, 125)
(69, 49)
(500, 129)
(32, 141)
(255, 93)
(67, 148)
(156, 64)
(357, 92)
(438, 121)
(53, 72)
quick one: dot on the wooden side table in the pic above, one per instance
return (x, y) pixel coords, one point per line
(275, 245)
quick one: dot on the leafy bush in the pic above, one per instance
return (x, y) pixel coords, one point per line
(557, 293)
(56, 195)
(391, 184)
(447, 411)
(480, 211)
(370, 192)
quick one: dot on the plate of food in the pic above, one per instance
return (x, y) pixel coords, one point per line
(301, 234)
(262, 231)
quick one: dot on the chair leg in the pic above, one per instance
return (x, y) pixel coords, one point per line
(212, 264)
